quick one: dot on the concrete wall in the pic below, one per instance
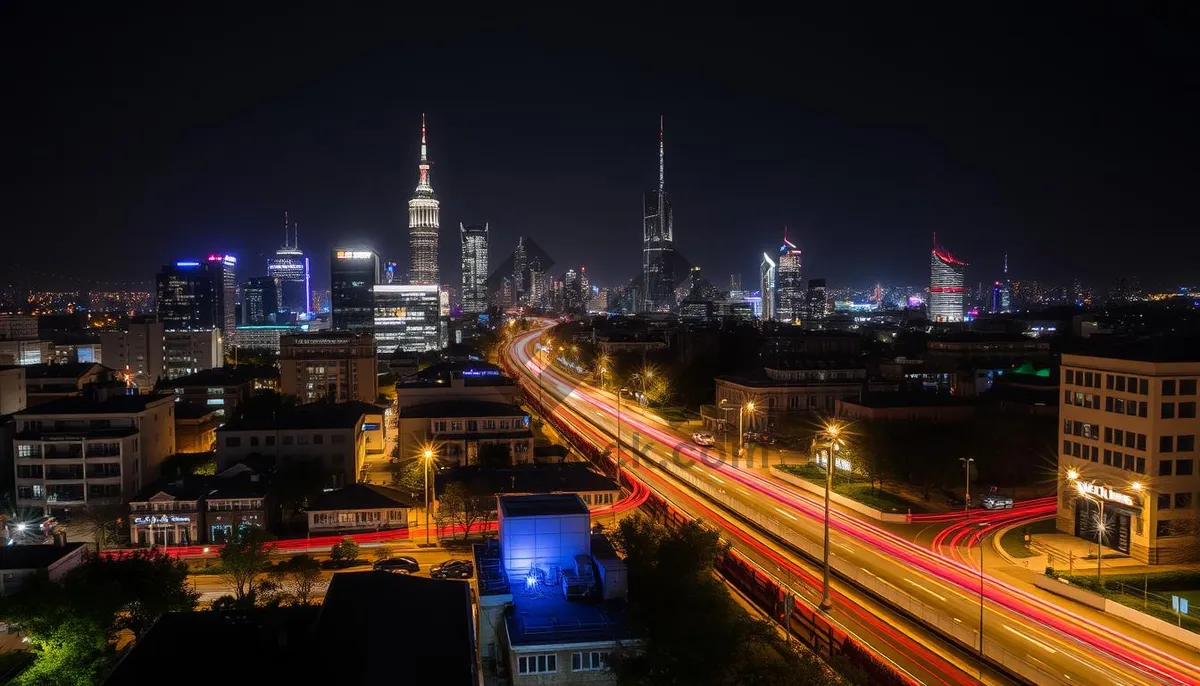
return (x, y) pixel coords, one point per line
(839, 499)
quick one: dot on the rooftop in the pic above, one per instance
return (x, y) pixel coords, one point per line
(540, 505)
(83, 404)
(1162, 350)
(547, 618)
(34, 556)
(191, 411)
(319, 415)
(186, 488)
(489, 570)
(70, 370)
(462, 408)
(568, 477)
(394, 628)
(361, 497)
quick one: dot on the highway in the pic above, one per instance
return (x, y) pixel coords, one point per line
(1044, 641)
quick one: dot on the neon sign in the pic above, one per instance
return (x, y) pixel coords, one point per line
(1105, 493)
(163, 519)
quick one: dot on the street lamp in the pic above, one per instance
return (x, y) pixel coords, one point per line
(982, 526)
(832, 432)
(967, 468)
(427, 458)
(745, 407)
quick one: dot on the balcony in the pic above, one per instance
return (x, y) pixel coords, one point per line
(64, 474)
(54, 452)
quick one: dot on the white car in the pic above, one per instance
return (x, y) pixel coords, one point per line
(703, 439)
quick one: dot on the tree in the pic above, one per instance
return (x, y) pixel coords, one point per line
(244, 559)
(185, 464)
(73, 625)
(381, 554)
(691, 630)
(298, 483)
(298, 578)
(494, 455)
(464, 505)
(346, 551)
(99, 522)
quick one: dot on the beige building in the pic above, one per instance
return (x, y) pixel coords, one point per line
(799, 387)
(328, 365)
(460, 428)
(1128, 433)
(99, 447)
(13, 392)
(138, 351)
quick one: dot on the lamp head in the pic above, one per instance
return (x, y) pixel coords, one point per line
(1073, 474)
(750, 406)
(1137, 486)
(427, 453)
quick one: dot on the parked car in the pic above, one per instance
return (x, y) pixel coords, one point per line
(398, 565)
(453, 569)
(759, 438)
(704, 439)
(993, 501)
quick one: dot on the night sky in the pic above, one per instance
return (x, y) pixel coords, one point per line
(1067, 139)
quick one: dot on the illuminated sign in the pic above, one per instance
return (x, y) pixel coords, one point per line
(227, 259)
(187, 264)
(355, 254)
(481, 372)
(1105, 493)
(162, 519)
(373, 426)
(839, 462)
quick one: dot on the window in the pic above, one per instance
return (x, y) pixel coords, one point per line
(302, 439)
(1107, 457)
(1168, 411)
(270, 440)
(1168, 387)
(1108, 434)
(287, 440)
(1141, 465)
(1164, 501)
(1141, 408)
(537, 664)
(1183, 467)
(318, 439)
(1166, 444)
(1087, 379)
(1183, 501)
(1187, 410)
(1129, 439)
(1121, 384)
(233, 441)
(1109, 402)
(1108, 381)
(1187, 387)
(1164, 467)
(254, 441)
(1141, 442)
(1118, 405)
(1143, 387)
(25, 451)
(1070, 376)
(588, 662)
(1185, 444)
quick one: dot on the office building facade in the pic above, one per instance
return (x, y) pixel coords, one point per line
(260, 301)
(329, 365)
(408, 318)
(818, 299)
(137, 351)
(1128, 437)
(790, 294)
(353, 276)
(292, 274)
(766, 272)
(187, 296)
(947, 278)
(224, 271)
(474, 268)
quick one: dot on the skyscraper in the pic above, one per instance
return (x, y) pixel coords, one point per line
(423, 225)
(767, 283)
(187, 296)
(474, 268)
(520, 272)
(224, 271)
(293, 277)
(947, 275)
(790, 294)
(407, 318)
(658, 247)
(260, 301)
(817, 299)
(352, 277)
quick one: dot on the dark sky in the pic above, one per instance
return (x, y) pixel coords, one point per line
(1064, 136)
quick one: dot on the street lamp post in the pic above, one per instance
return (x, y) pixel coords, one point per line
(967, 468)
(744, 408)
(427, 459)
(831, 431)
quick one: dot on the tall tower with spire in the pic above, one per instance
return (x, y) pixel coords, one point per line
(423, 224)
(292, 274)
(658, 242)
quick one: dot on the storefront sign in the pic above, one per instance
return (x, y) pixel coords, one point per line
(1105, 493)
(162, 519)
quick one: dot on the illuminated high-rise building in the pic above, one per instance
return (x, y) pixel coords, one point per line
(658, 246)
(293, 277)
(187, 294)
(767, 282)
(224, 271)
(423, 225)
(817, 299)
(353, 274)
(474, 268)
(259, 301)
(790, 295)
(407, 318)
(947, 276)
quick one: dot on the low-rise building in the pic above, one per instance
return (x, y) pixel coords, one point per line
(188, 352)
(95, 448)
(196, 428)
(46, 382)
(456, 380)
(20, 563)
(575, 478)
(136, 350)
(359, 507)
(235, 504)
(168, 513)
(461, 428)
(221, 389)
(337, 436)
(793, 388)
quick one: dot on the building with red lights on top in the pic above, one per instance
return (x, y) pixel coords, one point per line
(947, 276)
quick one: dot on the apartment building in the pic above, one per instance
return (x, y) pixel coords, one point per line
(1128, 437)
(329, 365)
(98, 447)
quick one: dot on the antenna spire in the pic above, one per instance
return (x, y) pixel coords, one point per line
(296, 228)
(661, 153)
(424, 150)
(1006, 264)
(286, 222)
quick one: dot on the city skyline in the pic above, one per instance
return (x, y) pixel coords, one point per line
(860, 189)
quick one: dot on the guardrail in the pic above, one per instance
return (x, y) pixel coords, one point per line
(1014, 664)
